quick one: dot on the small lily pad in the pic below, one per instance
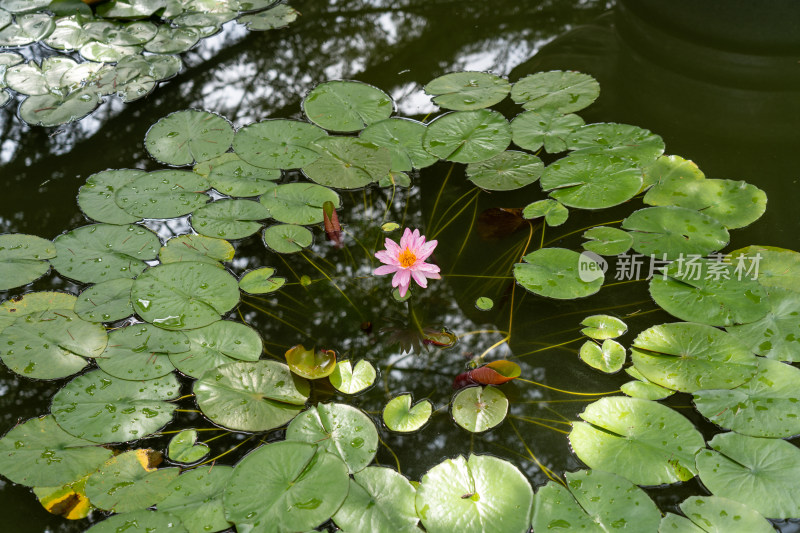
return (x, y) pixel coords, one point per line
(277, 144)
(260, 281)
(604, 240)
(229, 219)
(478, 409)
(645, 390)
(506, 171)
(717, 515)
(183, 137)
(196, 498)
(187, 248)
(549, 128)
(399, 415)
(141, 352)
(380, 500)
(669, 167)
(556, 273)
(27, 29)
(352, 380)
(346, 106)
(163, 194)
(170, 40)
(467, 91)
(403, 138)
(672, 231)
(607, 358)
(311, 364)
(298, 203)
(231, 175)
(287, 238)
(347, 162)
(554, 212)
(467, 136)
(622, 140)
(484, 303)
(183, 447)
(564, 91)
(217, 344)
(96, 197)
(106, 302)
(54, 109)
(592, 181)
(22, 259)
(603, 327)
(277, 17)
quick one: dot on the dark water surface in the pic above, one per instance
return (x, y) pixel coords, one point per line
(731, 106)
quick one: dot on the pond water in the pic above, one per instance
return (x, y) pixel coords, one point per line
(730, 106)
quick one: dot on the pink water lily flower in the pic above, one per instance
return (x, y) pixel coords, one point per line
(407, 261)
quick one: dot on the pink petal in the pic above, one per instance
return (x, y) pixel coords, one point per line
(404, 239)
(385, 269)
(419, 277)
(427, 268)
(385, 257)
(402, 277)
(392, 247)
(403, 290)
(426, 250)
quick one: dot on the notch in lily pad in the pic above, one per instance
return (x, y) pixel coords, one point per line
(311, 364)
(183, 447)
(260, 281)
(351, 379)
(601, 327)
(399, 415)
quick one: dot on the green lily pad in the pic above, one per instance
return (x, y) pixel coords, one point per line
(594, 501)
(96, 197)
(248, 396)
(478, 409)
(604, 240)
(564, 91)
(285, 486)
(39, 453)
(399, 415)
(53, 109)
(51, 344)
(484, 303)
(200, 248)
(184, 295)
(9, 59)
(260, 281)
(556, 273)
(129, 34)
(139, 521)
(592, 181)
(607, 358)
(735, 204)
(403, 138)
(772, 266)
(170, 40)
(217, 344)
(622, 140)
(626, 436)
(777, 335)
(163, 194)
(22, 259)
(183, 137)
(229, 219)
(127, 483)
(34, 302)
(287, 238)
(467, 91)
(474, 495)
(68, 34)
(603, 327)
(766, 405)
(690, 292)
(311, 364)
(338, 429)
(346, 106)
(183, 447)
(130, 9)
(27, 79)
(714, 514)
(669, 167)
(686, 357)
(27, 29)
(347, 162)
(274, 18)
(233, 176)
(106, 52)
(141, 351)
(298, 203)
(760, 473)
(380, 500)
(645, 390)
(672, 231)
(106, 302)
(101, 408)
(549, 128)
(352, 380)
(554, 212)
(23, 6)
(506, 171)
(196, 498)
(467, 136)
(277, 144)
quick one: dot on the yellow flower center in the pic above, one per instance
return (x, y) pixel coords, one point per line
(406, 258)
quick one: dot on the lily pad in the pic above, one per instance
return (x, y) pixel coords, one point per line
(184, 295)
(39, 453)
(626, 436)
(285, 486)
(403, 138)
(101, 408)
(51, 344)
(183, 447)
(186, 248)
(53, 109)
(467, 136)
(196, 498)
(478, 409)
(277, 144)
(141, 352)
(68, 501)
(399, 415)
(287, 238)
(183, 137)
(604, 240)
(760, 473)
(772, 266)
(217, 344)
(260, 281)
(229, 219)
(34, 302)
(248, 396)
(106, 52)
(127, 482)
(554, 212)
(645, 390)
(380, 500)
(549, 128)
(231, 175)
(170, 40)
(603, 327)
(311, 364)
(96, 196)
(592, 181)
(777, 335)
(686, 357)
(139, 522)
(163, 194)
(106, 302)
(474, 495)
(669, 167)
(27, 29)
(766, 405)
(352, 380)
(346, 106)
(22, 6)
(22, 259)
(347, 162)
(338, 429)
(298, 203)
(594, 501)
(622, 140)
(709, 292)
(27, 79)
(277, 17)
(556, 273)
(130, 9)
(714, 514)
(564, 91)
(506, 171)
(607, 358)
(672, 231)
(467, 91)
(484, 303)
